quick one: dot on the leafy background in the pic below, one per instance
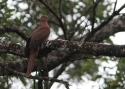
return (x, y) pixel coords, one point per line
(77, 15)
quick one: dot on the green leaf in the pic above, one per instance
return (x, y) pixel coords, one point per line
(2, 87)
(17, 20)
(23, 80)
(9, 15)
(86, 66)
(97, 77)
(10, 10)
(2, 6)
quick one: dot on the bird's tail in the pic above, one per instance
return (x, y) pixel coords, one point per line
(31, 63)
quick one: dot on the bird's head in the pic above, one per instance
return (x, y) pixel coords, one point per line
(44, 18)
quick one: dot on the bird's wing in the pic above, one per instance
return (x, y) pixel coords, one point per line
(27, 50)
(38, 37)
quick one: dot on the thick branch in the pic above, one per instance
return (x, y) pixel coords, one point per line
(65, 51)
(91, 48)
(109, 19)
(12, 48)
(114, 26)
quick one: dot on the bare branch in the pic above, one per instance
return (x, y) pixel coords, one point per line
(12, 48)
(66, 84)
(65, 51)
(85, 13)
(70, 47)
(60, 7)
(4, 65)
(59, 72)
(114, 26)
(107, 21)
(87, 48)
(94, 13)
(115, 6)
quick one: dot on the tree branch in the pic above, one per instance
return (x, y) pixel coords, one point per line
(94, 13)
(62, 47)
(109, 19)
(13, 28)
(91, 48)
(114, 26)
(106, 21)
(59, 72)
(66, 84)
(115, 6)
(12, 48)
(85, 13)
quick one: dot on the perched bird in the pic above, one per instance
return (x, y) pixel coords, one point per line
(34, 42)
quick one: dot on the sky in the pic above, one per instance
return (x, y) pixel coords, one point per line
(117, 39)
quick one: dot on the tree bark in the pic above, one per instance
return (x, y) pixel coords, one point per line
(64, 51)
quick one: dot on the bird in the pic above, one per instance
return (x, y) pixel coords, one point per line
(34, 42)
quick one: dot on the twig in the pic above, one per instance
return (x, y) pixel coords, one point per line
(115, 6)
(76, 29)
(85, 13)
(106, 21)
(62, 68)
(36, 77)
(60, 21)
(50, 79)
(60, 7)
(11, 70)
(42, 78)
(94, 13)
(89, 9)
(61, 16)
(81, 31)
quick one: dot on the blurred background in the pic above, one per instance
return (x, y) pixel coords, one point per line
(77, 17)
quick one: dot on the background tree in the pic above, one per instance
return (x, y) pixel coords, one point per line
(76, 21)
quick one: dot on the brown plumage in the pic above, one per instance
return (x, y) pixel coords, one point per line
(40, 35)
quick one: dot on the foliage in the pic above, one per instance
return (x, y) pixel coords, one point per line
(77, 17)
